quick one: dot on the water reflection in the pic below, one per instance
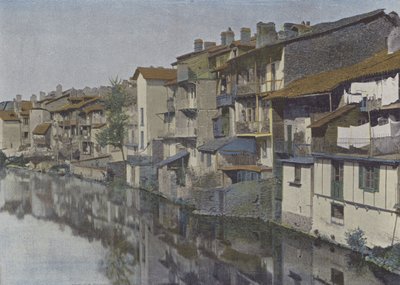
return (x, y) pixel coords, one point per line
(144, 239)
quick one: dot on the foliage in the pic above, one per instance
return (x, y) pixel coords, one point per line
(117, 120)
(356, 240)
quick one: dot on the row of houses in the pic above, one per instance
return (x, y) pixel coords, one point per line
(313, 106)
(300, 123)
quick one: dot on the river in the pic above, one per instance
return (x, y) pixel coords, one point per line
(62, 230)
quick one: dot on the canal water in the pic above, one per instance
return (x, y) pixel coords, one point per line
(62, 230)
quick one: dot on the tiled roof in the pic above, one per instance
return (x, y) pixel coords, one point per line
(319, 29)
(325, 82)
(8, 116)
(155, 73)
(41, 129)
(333, 115)
(215, 145)
(93, 108)
(75, 106)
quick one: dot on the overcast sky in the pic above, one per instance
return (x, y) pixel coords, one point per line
(82, 43)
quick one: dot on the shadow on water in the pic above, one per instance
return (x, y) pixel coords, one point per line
(149, 240)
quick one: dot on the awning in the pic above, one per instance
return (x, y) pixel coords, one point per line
(173, 158)
(239, 146)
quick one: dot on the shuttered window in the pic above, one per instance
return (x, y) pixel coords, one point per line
(368, 177)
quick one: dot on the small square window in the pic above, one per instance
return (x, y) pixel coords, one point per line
(337, 213)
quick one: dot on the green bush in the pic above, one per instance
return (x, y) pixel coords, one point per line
(356, 240)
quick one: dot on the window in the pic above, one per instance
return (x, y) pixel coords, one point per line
(208, 159)
(26, 121)
(337, 213)
(192, 92)
(264, 148)
(337, 277)
(297, 173)
(337, 180)
(202, 157)
(26, 134)
(247, 176)
(368, 179)
(141, 140)
(273, 76)
(141, 116)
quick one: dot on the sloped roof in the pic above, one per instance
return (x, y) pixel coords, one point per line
(215, 145)
(325, 82)
(331, 116)
(41, 129)
(155, 73)
(173, 158)
(93, 108)
(74, 106)
(8, 116)
(321, 28)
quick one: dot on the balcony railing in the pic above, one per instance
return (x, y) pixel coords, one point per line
(252, 127)
(225, 99)
(364, 146)
(291, 148)
(246, 88)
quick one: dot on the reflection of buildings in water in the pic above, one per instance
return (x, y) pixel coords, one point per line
(169, 245)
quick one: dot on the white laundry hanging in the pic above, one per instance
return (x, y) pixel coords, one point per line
(390, 90)
(352, 98)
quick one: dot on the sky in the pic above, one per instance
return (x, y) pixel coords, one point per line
(80, 43)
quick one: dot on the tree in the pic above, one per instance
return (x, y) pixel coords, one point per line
(117, 120)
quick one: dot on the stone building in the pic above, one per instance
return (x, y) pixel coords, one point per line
(350, 168)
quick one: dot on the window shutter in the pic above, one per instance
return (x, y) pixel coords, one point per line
(376, 179)
(360, 176)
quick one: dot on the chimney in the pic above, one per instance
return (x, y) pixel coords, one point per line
(393, 41)
(198, 45)
(58, 90)
(287, 31)
(33, 98)
(18, 98)
(395, 18)
(208, 45)
(230, 36)
(308, 23)
(42, 95)
(266, 34)
(223, 38)
(245, 35)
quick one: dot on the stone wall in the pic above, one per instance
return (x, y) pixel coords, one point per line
(341, 48)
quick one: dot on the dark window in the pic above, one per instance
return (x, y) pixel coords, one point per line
(273, 76)
(368, 178)
(208, 159)
(141, 116)
(337, 180)
(26, 134)
(26, 121)
(202, 157)
(337, 277)
(141, 140)
(297, 173)
(337, 213)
